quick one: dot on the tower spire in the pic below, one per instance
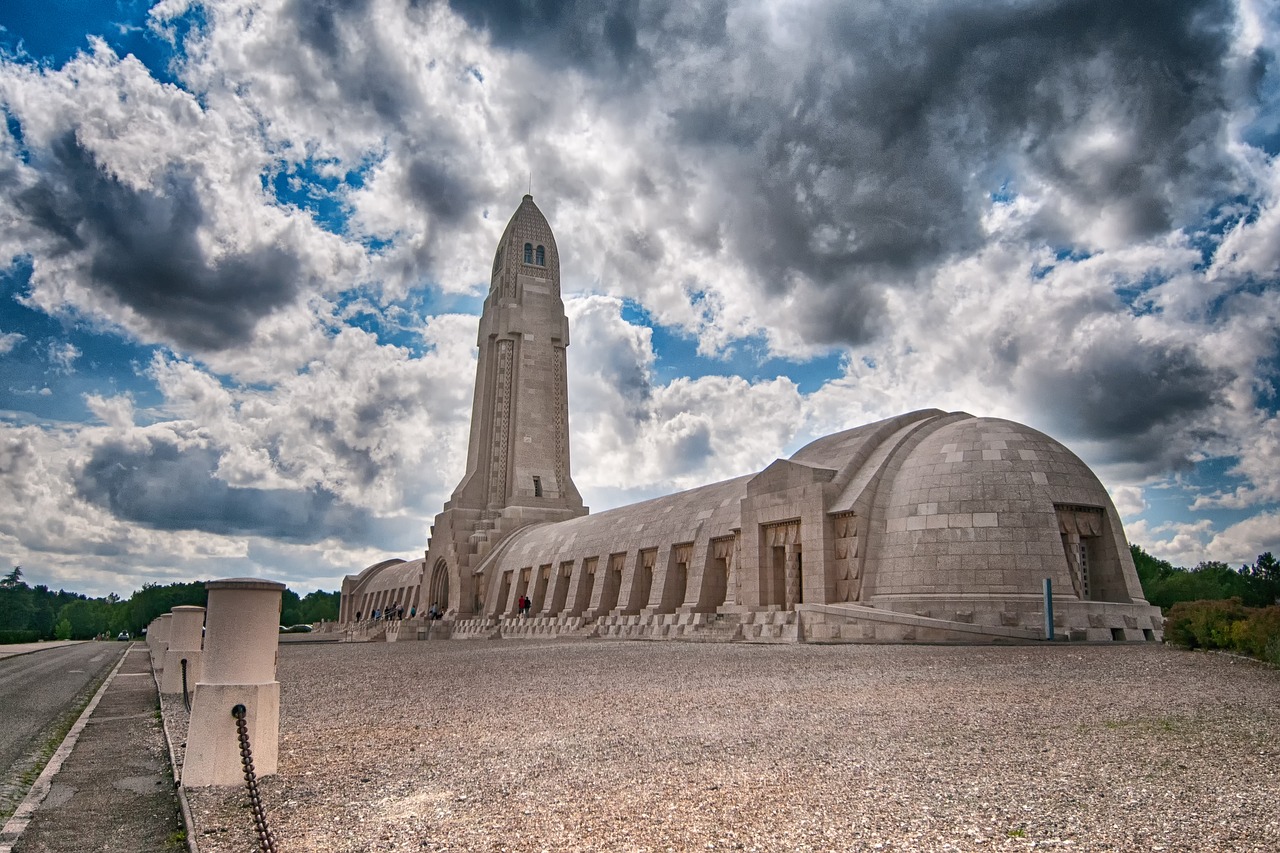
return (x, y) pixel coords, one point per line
(518, 453)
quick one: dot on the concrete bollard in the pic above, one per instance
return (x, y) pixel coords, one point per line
(186, 632)
(242, 638)
(160, 630)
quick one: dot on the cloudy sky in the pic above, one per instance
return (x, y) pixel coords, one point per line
(243, 247)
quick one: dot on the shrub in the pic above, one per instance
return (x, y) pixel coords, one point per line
(1255, 634)
(1272, 653)
(11, 636)
(1253, 631)
(1203, 624)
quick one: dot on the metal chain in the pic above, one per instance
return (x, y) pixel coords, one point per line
(266, 841)
(186, 697)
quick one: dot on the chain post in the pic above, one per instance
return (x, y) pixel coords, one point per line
(266, 840)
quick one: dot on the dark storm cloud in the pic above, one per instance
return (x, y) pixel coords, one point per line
(908, 116)
(342, 41)
(443, 192)
(851, 310)
(861, 143)
(143, 249)
(587, 33)
(690, 451)
(1142, 399)
(333, 30)
(170, 488)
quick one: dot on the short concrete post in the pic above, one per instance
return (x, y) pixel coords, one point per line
(1048, 609)
(185, 636)
(160, 630)
(242, 637)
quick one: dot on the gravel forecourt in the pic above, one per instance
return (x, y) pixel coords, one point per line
(599, 745)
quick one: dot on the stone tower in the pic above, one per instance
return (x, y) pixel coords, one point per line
(518, 453)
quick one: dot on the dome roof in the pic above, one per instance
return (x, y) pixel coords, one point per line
(985, 499)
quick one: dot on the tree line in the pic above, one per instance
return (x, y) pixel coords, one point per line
(1164, 584)
(30, 613)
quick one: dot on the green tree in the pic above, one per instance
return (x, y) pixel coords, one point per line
(1267, 567)
(290, 608)
(17, 611)
(1265, 575)
(153, 600)
(87, 619)
(320, 605)
(62, 631)
(1164, 584)
(44, 607)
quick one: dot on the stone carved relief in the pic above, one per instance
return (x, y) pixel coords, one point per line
(560, 428)
(781, 533)
(844, 528)
(502, 422)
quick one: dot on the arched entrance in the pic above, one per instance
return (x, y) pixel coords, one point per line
(438, 587)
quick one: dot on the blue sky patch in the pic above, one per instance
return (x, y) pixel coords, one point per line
(677, 355)
(41, 379)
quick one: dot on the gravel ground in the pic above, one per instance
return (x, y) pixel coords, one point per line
(519, 746)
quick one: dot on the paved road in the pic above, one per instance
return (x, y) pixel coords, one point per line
(38, 692)
(11, 649)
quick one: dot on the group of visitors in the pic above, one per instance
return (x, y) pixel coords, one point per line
(392, 613)
(524, 606)
(395, 612)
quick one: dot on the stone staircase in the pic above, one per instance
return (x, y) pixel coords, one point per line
(366, 632)
(775, 626)
(689, 627)
(547, 627)
(478, 628)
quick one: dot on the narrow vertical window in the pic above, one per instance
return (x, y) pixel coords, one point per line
(542, 256)
(528, 253)
(537, 487)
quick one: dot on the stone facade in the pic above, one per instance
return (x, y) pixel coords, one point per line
(929, 527)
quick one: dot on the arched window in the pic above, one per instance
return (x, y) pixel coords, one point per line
(542, 256)
(528, 253)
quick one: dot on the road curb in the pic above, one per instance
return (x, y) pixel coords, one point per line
(183, 806)
(17, 823)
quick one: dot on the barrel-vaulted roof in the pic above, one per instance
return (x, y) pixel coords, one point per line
(683, 517)
(389, 574)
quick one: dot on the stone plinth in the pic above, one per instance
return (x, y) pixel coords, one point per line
(186, 631)
(242, 638)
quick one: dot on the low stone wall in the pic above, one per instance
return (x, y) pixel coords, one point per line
(943, 620)
(960, 621)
